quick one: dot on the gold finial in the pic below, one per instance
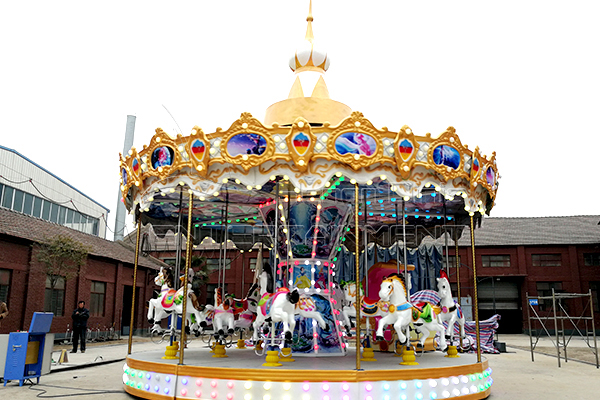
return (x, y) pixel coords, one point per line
(309, 33)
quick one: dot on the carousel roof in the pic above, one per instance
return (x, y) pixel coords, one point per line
(311, 149)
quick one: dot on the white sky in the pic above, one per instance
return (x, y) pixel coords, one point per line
(521, 78)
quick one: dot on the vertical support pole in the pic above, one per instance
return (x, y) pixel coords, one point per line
(225, 237)
(177, 265)
(475, 306)
(593, 326)
(397, 244)
(405, 246)
(446, 239)
(188, 263)
(366, 245)
(529, 323)
(357, 267)
(556, 327)
(135, 265)
(456, 258)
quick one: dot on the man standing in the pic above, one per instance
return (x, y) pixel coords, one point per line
(3, 311)
(80, 317)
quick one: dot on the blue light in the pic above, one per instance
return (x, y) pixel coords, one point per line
(419, 396)
(184, 381)
(370, 214)
(386, 386)
(368, 202)
(403, 385)
(147, 387)
(418, 384)
(433, 395)
(438, 217)
(416, 210)
(405, 215)
(382, 214)
(156, 389)
(427, 216)
(433, 194)
(449, 218)
(416, 216)
(393, 199)
(360, 213)
(394, 215)
(166, 390)
(380, 201)
(426, 210)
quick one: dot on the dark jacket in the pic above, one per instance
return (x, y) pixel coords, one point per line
(80, 317)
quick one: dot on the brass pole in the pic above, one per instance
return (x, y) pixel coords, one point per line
(475, 309)
(188, 263)
(456, 256)
(135, 265)
(357, 302)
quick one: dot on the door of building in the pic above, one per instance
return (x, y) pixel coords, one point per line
(500, 295)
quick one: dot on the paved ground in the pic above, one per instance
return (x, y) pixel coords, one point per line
(98, 373)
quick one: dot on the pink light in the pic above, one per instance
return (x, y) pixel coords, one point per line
(315, 335)
(306, 387)
(296, 262)
(229, 396)
(325, 388)
(316, 347)
(317, 231)
(368, 387)
(346, 397)
(325, 397)
(368, 398)
(213, 394)
(198, 382)
(198, 394)
(317, 218)
(314, 242)
(213, 383)
(325, 263)
(314, 254)
(183, 392)
(230, 384)
(291, 269)
(325, 291)
(343, 345)
(340, 333)
(285, 199)
(334, 301)
(345, 387)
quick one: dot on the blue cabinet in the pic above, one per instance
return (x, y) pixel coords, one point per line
(26, 350)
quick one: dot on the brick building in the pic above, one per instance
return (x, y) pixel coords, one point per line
(105, 282)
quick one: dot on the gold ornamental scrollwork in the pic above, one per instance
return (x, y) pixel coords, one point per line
(404, 160)
(199, 159)
(162, 156)
(449, 138)
(353, 134)
(491, 187)
(301, 143)
(246, 125)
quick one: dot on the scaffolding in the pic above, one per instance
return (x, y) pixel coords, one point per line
(558, 313)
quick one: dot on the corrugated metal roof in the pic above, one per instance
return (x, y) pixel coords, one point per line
(36, 230)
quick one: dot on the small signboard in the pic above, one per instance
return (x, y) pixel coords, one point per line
(533, 302)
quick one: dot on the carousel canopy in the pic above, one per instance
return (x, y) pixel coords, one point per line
(307, 157)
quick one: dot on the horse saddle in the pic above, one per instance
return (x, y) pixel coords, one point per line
(369, 306)
(267, 300)
(424, 311)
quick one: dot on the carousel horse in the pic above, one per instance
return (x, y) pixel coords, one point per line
(170, 301)
(369, 307)
(277, 307)
(305, 307)
(451, 311)
(401, 312)
(245, 309)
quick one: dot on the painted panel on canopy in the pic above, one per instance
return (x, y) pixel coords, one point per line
(198, 149)
(475, 166)
(162, 156)
(489, 176)
(124, 176)
(301, 229)
(246, 143)
(446, 155)
(301, 143)
(406, 149)
(355, 143)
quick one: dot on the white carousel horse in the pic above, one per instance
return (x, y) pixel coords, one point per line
(170, 301)
(400, 312)
(305, 307)
(227, 307)
(451, 312)
(277, 307)
(369, 308)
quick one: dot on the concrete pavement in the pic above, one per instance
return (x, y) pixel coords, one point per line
(99, 371)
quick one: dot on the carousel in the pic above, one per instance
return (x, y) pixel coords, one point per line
(312, 181)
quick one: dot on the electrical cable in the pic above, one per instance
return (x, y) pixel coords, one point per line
(90, 391)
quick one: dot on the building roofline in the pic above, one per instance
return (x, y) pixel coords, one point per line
(51, 174)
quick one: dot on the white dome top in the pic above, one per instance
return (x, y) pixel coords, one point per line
(309, 55)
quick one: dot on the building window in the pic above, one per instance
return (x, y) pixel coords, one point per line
(97, 299)
(37, 207)
(212, 264)
(28, 203)
(544, 289)
(546, 260)
(595, 288)
(591, 259)
(451, 261)
(496, 261)
(18, 200)
(253, 264)
(170, 261)
(7, 197)
(4, 284)
(54, 299)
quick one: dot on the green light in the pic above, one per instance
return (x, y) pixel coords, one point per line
(246, 219)
(341, 178)
(254, 217)
(339, 249)
(329, 190)
(212, 223)
(162, 204)
(347, 229)
(237, 220)
(334, 258)
(139, 386)
(141, 374)
(322, 198)
(197, 225)
(343, 239)
(228, 221)
(175, 204)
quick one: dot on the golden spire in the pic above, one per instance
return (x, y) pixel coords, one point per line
(309, 33)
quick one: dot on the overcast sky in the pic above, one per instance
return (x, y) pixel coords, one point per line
(521, 78)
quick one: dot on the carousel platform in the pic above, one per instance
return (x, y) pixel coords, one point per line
(241, 375)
